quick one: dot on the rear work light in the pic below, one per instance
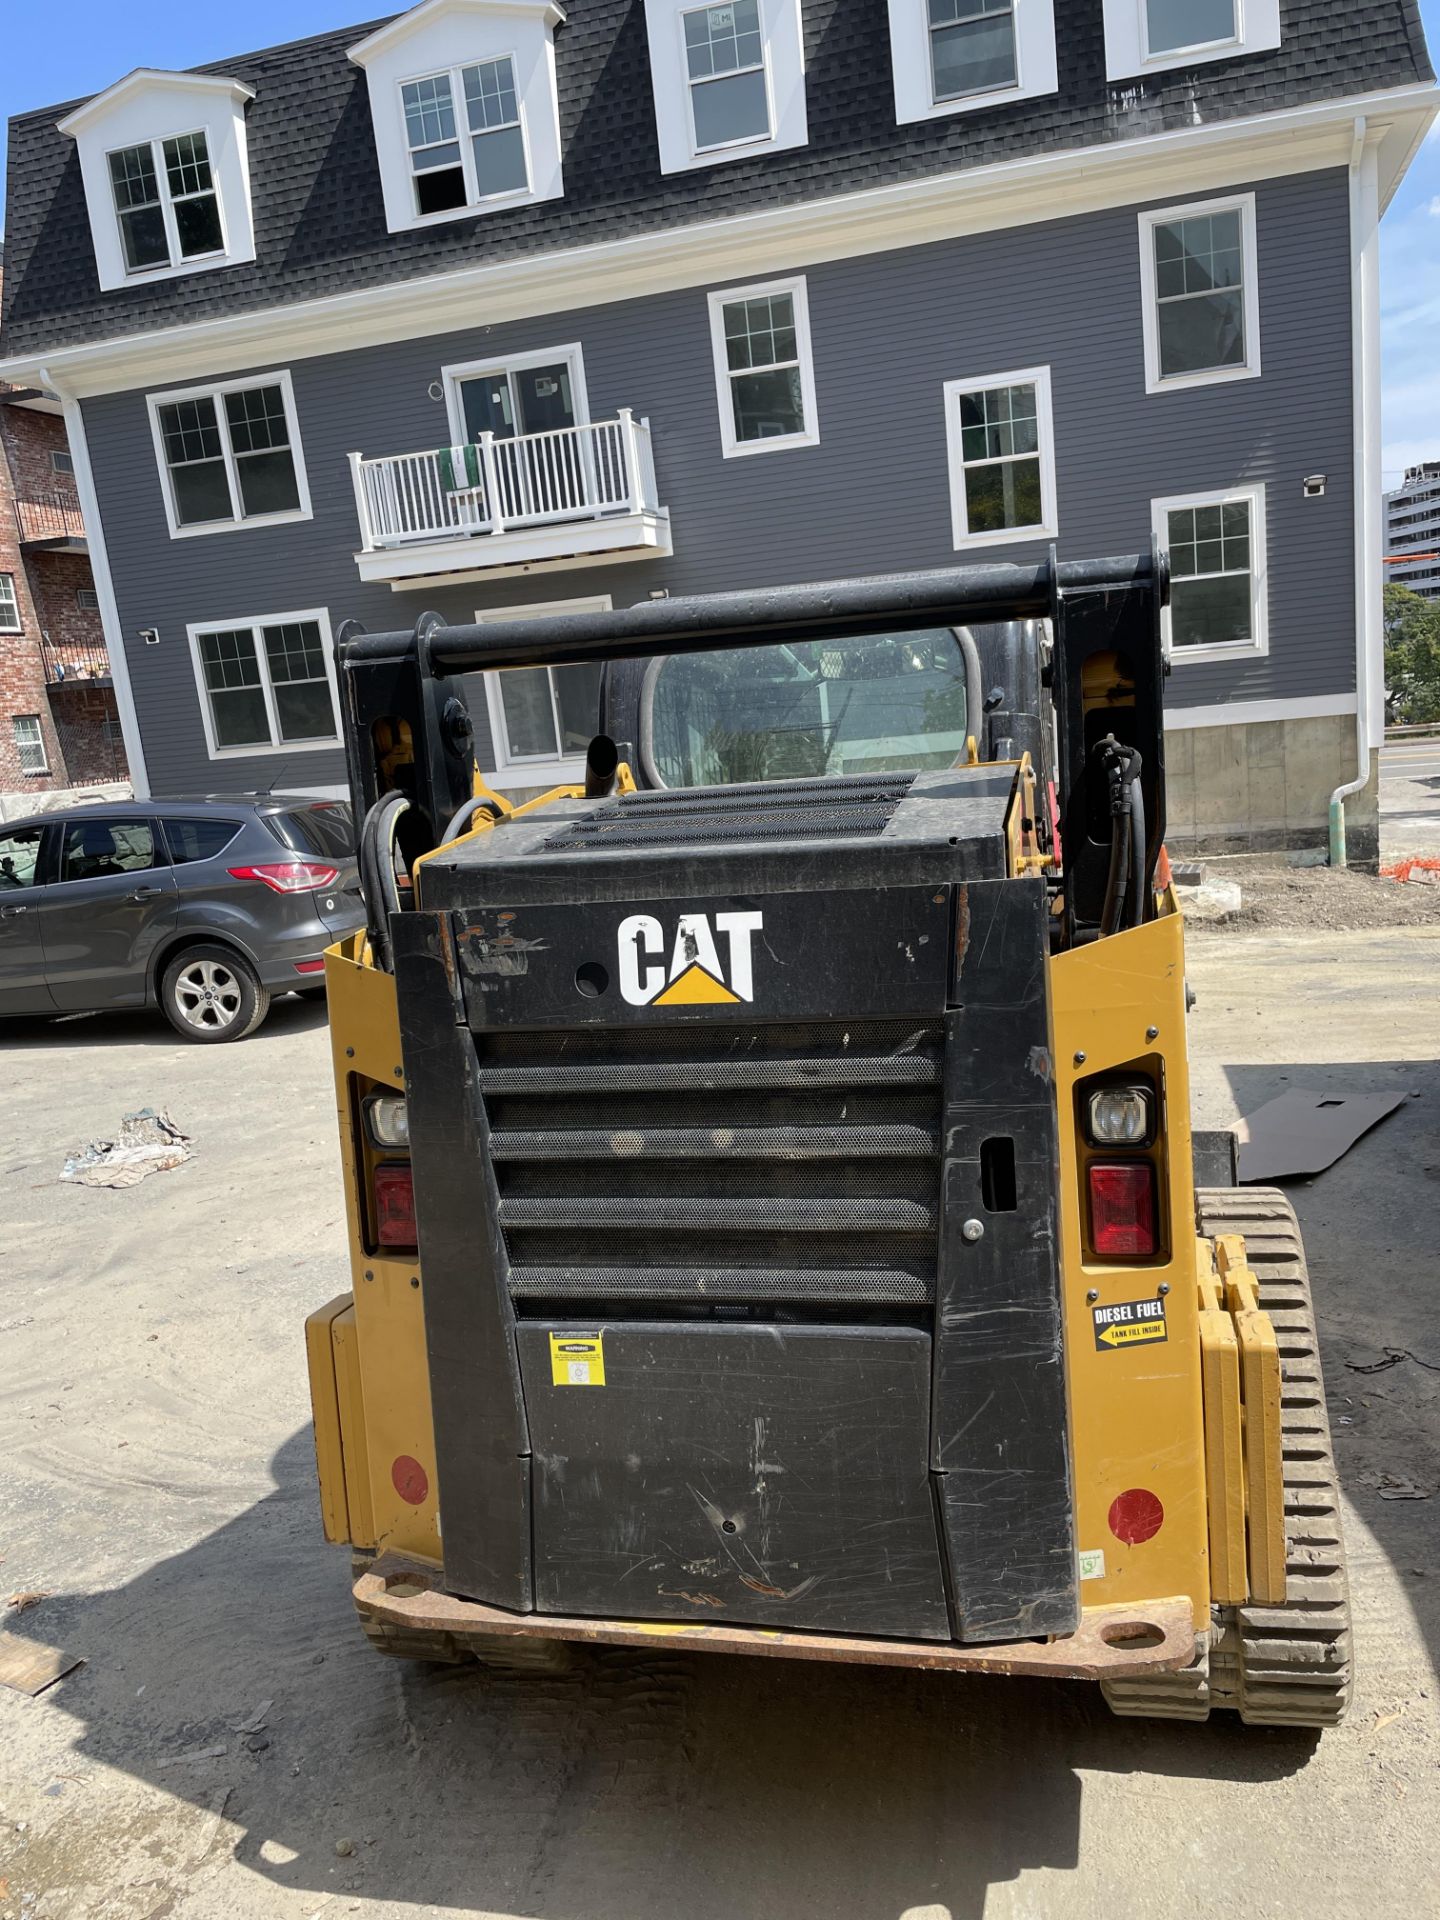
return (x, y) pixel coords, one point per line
(388, 1119)
(1120, 1116)
(1122, 1211)
(289, 876)
(394, 1205)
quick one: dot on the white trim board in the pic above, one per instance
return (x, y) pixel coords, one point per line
(775, 240)
(1249, 367)
(1259, 642)
(1254, 713)
(1049, 527)
(731, 445)
(314, 616)
(216, 390)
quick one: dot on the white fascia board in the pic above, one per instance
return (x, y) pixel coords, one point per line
(149, 80)
(1254, 713)
(1127, 40)
(436, 563)
(777, 239)
(1036, 63)
(406, 24)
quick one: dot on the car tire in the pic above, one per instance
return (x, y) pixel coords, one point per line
(210, 994)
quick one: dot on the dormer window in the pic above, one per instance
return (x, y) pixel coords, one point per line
(958, 56)
(725, 59)
(167, 180)
(462, 94)
(167, 202)
(489, 161)
(1158, 36)
(728, 80)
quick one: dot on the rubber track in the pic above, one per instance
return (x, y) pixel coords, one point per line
(1284, 1666)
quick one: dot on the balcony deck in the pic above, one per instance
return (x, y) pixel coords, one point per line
(573, 496)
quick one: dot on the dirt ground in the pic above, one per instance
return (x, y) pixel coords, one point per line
(158, 1490)
(1279, 897)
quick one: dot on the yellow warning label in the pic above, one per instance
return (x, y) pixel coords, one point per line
(1130, 1323)
(577, 1360)
(696, 988)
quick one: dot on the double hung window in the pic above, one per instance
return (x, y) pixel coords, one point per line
(266, 684)
(1002, 458)
(1218, 598)
(1202, 308)
(166, 202)
(761, 341)
(725, 65)
(972, 47)
(230, 455)
(465, 136)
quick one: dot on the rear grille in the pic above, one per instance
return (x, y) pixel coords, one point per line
(777, 810)
(769, 1165)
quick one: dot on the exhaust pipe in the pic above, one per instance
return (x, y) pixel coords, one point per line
(602, 758)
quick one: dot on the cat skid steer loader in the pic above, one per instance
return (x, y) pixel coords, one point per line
(775, 1219)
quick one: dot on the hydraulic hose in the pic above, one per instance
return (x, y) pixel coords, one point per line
(1125, 882)
(377, 874)
(1139, 883)
(974, 686)
(461, 819)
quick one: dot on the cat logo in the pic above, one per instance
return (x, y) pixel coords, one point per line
(695, 975)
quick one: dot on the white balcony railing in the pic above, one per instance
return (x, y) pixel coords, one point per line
(592, 472)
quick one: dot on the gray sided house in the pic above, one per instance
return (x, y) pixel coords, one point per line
(488, 308)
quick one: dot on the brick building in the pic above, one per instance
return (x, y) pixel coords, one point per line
(58, 722)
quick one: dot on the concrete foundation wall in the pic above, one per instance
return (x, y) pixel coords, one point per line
(1266, 789)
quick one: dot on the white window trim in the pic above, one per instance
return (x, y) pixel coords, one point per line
(1039, 378)
(14, 601)
(784, 57)
(1250, 368)
(452, 376)
(1259, 644)
(1036, 65)
(321, 617)
(215, 390)
(149, 107)
(732, 446)
(445, 36)
(723, 149)
(1127, 39)
(31, 773)
(475, 201)
(179, 263)
(565, 771)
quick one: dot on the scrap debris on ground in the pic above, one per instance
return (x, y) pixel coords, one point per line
(1280, 898)
(148, 1142)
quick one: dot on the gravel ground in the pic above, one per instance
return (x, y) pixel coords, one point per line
(1282, 898)
(158, 1490)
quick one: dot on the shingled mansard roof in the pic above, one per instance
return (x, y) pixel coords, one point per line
(319, 218)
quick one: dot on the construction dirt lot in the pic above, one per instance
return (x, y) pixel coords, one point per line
(231, 1748)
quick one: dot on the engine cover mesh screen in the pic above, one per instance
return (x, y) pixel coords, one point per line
(777, 810)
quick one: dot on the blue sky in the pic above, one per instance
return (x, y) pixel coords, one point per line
(69, 48)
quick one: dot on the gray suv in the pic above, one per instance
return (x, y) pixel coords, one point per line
(206, 907)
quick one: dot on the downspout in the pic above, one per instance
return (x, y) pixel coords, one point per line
(1365, 400)
(104, 587)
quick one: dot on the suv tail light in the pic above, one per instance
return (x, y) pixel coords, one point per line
(394, 1204)
(289, 876)
(1122, 1211)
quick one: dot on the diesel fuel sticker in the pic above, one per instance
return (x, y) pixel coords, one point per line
(1130, 1323)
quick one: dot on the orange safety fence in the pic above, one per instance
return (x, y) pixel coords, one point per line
(1403, 869)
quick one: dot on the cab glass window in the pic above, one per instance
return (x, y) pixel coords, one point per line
(19, 857)
(96, 849)
(883, 703)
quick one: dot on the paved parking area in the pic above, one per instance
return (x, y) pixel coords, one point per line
(158, 1489)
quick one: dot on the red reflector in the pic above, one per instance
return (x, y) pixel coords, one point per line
(394, 1205)
(1136, 1516)
(309, 966)
(1122, 1211)
(289, 876)
(409, 1479)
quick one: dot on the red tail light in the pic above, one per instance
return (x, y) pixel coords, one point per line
(289, 876)
(394, 1205)
(1122, 1211)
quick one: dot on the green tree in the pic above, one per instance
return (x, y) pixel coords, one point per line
(1412, 658)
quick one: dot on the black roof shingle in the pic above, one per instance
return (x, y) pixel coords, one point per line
(315, 182)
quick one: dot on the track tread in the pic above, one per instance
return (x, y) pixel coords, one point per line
(1284, 1666)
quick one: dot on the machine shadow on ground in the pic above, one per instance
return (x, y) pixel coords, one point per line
(1371, 1224)
(759, 1787)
